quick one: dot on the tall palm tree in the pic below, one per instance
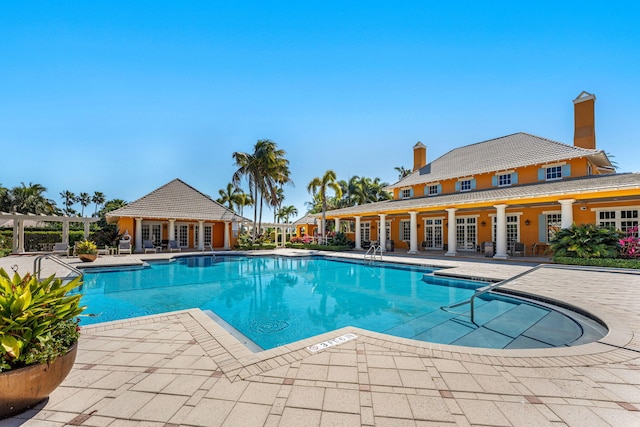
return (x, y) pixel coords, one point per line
(230, 196)
(30, 199)
(244, 199)
(84, 199)
(279, 198)
(265, 169)
(320, 185)
(98, 198)
(68, 199)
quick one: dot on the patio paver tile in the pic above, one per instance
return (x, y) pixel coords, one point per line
(306, 397)
(260, 393)
(296, 417)
(390, 405)
(247, 414)
(336, 400)
(161, 408)
(208, 412)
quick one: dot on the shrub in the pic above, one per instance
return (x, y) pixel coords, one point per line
(630, 244)
(586, 241)
(599, 262)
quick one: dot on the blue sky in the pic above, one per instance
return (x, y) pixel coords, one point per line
(124, 96)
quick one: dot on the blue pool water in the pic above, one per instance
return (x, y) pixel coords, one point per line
(278, 300)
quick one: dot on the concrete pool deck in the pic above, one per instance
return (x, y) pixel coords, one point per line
(182, 368)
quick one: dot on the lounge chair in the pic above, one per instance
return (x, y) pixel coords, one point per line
(124, 247)
(61, 249)
(174, 247)
(148, 246)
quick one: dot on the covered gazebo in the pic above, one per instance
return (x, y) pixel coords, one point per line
(20, 218)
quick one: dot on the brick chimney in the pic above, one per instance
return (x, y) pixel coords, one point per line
(584, 135)
(419, 156)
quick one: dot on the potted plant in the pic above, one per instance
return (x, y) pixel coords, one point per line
(38, 335)
(87, 250)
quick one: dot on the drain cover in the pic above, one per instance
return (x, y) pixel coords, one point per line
(269, 326)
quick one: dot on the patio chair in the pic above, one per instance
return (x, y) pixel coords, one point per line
(104, 251)
(518, 248)
(124, 247)
(174, 246)
(148, 246)
(61, 249)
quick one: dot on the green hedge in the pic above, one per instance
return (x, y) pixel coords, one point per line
(318, 247)
(600, 262)
(36, 240)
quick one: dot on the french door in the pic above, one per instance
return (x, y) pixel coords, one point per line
(466, 233)
(432, 234)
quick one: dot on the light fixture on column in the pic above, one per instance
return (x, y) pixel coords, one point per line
(527, 222)
(483, 223)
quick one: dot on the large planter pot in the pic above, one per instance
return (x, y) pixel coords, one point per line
(87, 257)
(23, 388)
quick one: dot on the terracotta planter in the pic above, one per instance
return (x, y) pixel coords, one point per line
(87, 257)
(21, 389)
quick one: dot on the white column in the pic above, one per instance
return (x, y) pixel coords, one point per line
(451, 232)
(501, 232)
(383, 232)
(227, 245)
(566, 220)
(65, 231)
(16, 236)
(138, 238)
(413, 237)
(86, 230)
(337, 224)
(201, 235)
(172, 229)
(358, 235)
(21, 236)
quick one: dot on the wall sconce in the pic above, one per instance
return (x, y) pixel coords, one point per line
(418, 225)
(527, 222)
(446, 224)
(483, 223)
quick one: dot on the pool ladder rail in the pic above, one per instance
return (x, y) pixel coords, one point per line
(37, 265)
(484, 290)
(372, 251)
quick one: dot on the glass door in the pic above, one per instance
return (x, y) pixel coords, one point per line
(466, 236)
(432, 234)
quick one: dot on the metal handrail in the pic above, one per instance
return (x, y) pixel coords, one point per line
(372, 250)
(37, 264)
(486, 289)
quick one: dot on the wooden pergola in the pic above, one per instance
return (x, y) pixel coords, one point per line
(18, 226)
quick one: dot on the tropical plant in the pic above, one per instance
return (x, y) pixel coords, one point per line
(586, 241)
(319, 186)
(630, 244)
(86, 247)
(38, 319)
(286, 212)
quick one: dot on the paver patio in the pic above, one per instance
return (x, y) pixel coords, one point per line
(182, 368)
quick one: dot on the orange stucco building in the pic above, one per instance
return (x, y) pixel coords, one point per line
(518, 188)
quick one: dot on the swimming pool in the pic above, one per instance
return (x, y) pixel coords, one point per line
(277, 300)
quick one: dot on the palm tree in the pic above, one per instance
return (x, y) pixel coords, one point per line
(265, 169)
(5, 199)
(287, 212)
(279, 198)
(320, 186)
(99, 199)
(68, 199)
(402, 172)
(84, 199)
(30, 199)
(244, 199)
(230, 196)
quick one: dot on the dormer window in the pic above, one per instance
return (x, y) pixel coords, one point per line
(406, 193)
(554, 172)
(466, 184)
(432, 190)
(504, 180)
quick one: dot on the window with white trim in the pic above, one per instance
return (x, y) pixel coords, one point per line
(553, 172)
(405, 193)
(365, 231)
(405, 230)
(432, 190)
(554, 222)
(621, 220)
(504, 180)
(465, 185)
